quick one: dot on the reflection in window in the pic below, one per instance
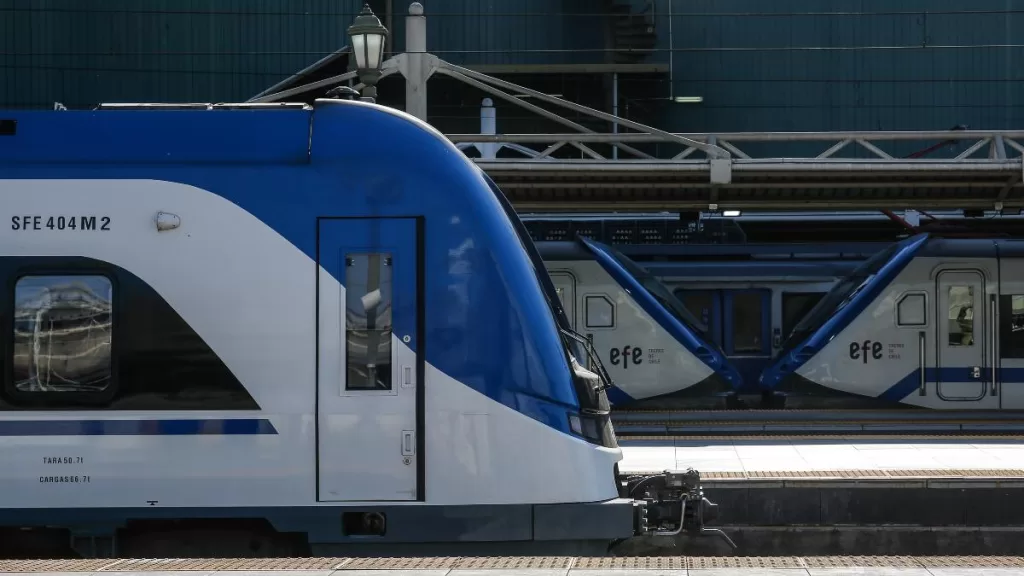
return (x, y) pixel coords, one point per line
(961, 316)
(600, 312)
(1017, 313)
(1011, 326)
(62, 334)
(796, 305)
(747, 323)
(698, 303)
(911, 311)
(368, 321)
(561, 295)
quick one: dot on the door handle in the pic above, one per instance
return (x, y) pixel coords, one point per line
(923, 384)
(407, 380)
(994, 336)
(408, 443)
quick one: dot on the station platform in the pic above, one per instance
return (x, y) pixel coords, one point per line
(850, 495)
(537, 566)
(731, 459)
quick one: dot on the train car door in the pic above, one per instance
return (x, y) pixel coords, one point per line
(962, 372)
(565, 285)
(368, 371)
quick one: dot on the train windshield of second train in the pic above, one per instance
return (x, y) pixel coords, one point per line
(839, 296)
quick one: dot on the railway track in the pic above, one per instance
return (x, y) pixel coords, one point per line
(817, 423)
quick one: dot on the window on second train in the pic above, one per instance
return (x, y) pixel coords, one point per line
(796, 305)
(961, 316)
(368, 321)
(1011, 326)
(62, 334)
(747, 323)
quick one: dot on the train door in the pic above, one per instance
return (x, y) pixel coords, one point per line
(961, 369)
(368, 330)
(706, 305)
(565, 286)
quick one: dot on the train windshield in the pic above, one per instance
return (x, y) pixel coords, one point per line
(841, 294)
(659, 291)
(579, 346)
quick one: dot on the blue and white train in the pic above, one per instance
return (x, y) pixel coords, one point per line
(656, 351)
(928, 322)
(279, 328)
(750, 295)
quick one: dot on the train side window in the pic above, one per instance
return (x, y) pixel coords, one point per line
(368, 308)
(1011, 326)
(961, 316)
(796, 305)
(600, 312)
(748, 325)
(911, 311)
(63, 326)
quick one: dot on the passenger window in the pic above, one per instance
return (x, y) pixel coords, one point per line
(1011, 326)
(911, 311)
(796, 305)
(961, 316)
(698, 303)
(600, 312)
(62, 334)
(747, 323)
(368, 309)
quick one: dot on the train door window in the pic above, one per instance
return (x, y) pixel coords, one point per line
(747, 313)
(796, 305)
(961, 316)
(62, 334)
(706, 305)
(911, 311)
(600, 311)
(368, 307)
(1011, 326)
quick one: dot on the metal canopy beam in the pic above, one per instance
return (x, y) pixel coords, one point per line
(832, 170)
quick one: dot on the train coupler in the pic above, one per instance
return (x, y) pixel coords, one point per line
(673, 503)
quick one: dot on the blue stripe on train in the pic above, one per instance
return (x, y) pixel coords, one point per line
(910, 383)
(176, 427)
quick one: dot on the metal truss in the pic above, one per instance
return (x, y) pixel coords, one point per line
(772, 170)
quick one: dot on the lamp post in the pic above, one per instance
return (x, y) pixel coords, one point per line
(367, 35)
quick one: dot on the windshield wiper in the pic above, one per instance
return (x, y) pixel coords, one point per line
(588, 347)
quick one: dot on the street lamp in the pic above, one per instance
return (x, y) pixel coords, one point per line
(367, 35)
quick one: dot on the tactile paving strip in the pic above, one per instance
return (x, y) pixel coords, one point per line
(55, 565)
(860, 562)
(143, 564)
(632, 563)
(697, 563)
(430, 563)
(516, 563)
(972, 562)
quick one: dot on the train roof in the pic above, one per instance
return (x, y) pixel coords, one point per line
(276, 134)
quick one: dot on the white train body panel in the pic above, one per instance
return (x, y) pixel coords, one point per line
(214, 267)
(938, 333)
(600, 307)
